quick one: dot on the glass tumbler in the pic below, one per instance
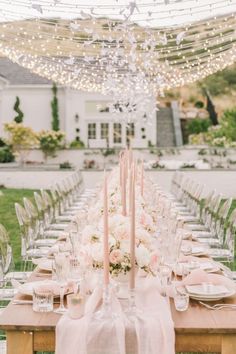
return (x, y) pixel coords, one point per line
(181, 301)
(42, 300)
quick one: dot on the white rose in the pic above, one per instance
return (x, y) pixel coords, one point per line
(143, 256)
(89, 232)
(143, 235)
(112, 241)
(125, 246)
(96, 251)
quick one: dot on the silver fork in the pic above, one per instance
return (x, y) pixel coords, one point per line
(218, 306)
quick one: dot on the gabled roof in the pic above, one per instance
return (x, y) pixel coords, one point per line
(17, 75)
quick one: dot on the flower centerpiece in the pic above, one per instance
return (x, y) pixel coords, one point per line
(119, 233)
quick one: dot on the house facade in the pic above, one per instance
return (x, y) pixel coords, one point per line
(83, 116)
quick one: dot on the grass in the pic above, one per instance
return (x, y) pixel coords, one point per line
(8, 218)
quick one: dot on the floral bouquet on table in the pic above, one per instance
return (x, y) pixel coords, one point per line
(119, 242)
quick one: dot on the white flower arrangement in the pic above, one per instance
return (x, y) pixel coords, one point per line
(119, 232)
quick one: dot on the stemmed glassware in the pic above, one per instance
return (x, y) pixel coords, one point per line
(76, 272)
(62, 269)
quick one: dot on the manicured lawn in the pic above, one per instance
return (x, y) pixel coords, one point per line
(8, 217)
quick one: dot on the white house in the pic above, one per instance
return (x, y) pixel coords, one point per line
(83, 116)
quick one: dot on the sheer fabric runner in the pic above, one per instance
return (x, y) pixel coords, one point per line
(151, 333)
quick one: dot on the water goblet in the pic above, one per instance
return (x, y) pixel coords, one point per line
(62, 272)
(76, 272)
(165, 277)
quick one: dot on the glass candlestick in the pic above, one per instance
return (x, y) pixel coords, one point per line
(132, 310)
(105, 312)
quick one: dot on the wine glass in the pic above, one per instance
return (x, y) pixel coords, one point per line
(62, 270)
(165, 277)
(74, 236)
(76, 272)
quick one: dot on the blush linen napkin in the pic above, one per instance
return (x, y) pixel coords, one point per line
(152, 332)
(199, 276)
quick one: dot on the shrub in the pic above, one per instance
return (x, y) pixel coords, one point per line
(65, 165)
(77, 144)
(50, 141)
(228, 124)
(107, 152)
(20, 115)
(197, 125)
(199, 104)
(20, 136)
(6, 155)
(2, 142)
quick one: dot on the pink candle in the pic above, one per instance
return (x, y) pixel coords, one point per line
(121, 165)
(130, 190)
(130, 157)
(124, 191)
(132, 234)
(105, 236)
(141, 182)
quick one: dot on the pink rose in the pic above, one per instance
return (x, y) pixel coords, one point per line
(154, 259)
(115, 256)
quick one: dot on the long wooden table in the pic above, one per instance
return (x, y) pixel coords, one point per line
(197, 329)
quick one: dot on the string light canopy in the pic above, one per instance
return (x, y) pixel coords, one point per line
(131, 50)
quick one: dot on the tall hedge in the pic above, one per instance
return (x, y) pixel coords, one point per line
(55, 110)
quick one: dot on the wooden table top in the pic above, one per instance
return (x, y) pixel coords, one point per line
(197, 319)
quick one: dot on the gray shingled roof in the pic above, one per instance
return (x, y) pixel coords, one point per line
(17, 75)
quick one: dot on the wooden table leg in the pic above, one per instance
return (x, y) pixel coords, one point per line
(19, 342)
(228, 344)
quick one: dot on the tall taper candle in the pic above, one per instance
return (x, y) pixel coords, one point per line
(142, 182)
(124, 190)
(105, 236)
(130, 189)
(132, 232)
(121, 165)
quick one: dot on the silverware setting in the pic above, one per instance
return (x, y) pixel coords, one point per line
(218, 306)
(27, 302)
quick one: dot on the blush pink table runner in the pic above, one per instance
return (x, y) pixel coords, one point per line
(151, 333)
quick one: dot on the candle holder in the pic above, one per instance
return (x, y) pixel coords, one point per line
(132, 311)
(105, 312)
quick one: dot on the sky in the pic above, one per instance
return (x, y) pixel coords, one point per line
(154, 13)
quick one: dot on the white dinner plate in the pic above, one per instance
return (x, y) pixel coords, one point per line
(205, 292)
(212, 298)
(45, 264)
(27, 288)
(199, 251)
(209, 267)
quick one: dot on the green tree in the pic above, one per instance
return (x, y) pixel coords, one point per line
(20, 115)
(21, 139)
(55, 111)
(221, 82)
(228, 124)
